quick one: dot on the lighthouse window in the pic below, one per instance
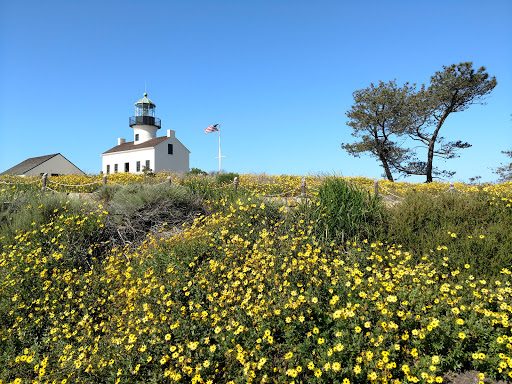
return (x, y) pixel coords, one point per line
(147, 164)
(138, 166)
(169, 149)
(136, 137)
(115, 168)
(108, 169)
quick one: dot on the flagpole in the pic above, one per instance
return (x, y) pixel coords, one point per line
(220, 157)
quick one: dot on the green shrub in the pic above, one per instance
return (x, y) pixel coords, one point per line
(197, 171)
(344, 212)
(136, 210)
(28, 210)
(56, 224)
(467, 228)
(106, 192)
(224, 178)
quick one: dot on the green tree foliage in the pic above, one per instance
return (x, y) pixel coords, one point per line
(376, 117)
(454, 89)
(505, 171)
(417, 115)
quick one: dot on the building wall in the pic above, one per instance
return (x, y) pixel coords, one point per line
(57, 165)
(145, 132)
(177, 162)
(130, 157)
(160, 159)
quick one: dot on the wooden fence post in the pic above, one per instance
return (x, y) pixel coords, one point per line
(376, 188)
(169, 180)
(104, 180)
(303, 186)
(452, 188)
(43, 186)
(235, 183)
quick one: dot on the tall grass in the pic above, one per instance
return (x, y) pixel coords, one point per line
(344, 212)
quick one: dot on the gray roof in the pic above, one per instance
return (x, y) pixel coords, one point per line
(27, 165)
(145, 100)
(130, 145)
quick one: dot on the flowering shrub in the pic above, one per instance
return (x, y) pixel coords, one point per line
(247, 294)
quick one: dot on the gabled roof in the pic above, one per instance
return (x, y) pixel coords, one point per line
(131, 146)
(28, 164)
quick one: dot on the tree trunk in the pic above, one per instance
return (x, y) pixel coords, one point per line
(432, 143)
(430, 159)
(386, 167)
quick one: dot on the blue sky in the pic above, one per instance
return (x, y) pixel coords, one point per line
(277, 74)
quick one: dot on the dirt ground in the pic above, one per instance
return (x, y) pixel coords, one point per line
(469, 377)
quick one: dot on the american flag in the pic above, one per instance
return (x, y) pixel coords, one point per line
(211, 128)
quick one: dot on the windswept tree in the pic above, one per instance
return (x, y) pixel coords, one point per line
(386, 115)
(378, 119)
(454, 89)
(505, 171)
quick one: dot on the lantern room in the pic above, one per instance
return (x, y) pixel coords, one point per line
(145, 113)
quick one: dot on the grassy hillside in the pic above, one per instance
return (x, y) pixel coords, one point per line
(337, 287)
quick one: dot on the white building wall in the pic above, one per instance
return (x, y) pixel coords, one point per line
(131, 157)
(160, 159)
(145, 132)
(57, 165)
(177, 162)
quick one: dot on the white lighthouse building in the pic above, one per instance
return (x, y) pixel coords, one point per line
(146, 151)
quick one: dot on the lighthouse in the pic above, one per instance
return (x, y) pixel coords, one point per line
(145, 125)
(147, 151)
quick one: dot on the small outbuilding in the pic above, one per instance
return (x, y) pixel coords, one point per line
(53, 165)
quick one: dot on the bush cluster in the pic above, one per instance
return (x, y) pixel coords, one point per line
(255, 291)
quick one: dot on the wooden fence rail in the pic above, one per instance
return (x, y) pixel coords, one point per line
(236, 183)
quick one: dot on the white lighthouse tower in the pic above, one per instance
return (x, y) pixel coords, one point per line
(146, 151)
(144, 123)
